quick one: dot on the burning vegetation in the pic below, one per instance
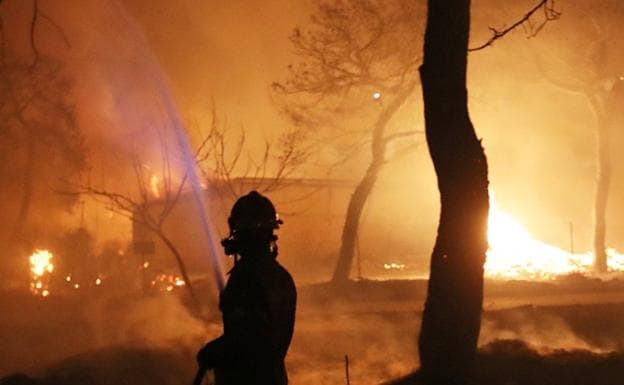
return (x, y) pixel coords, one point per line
(515, 254)
(118, 179)
(41, 267)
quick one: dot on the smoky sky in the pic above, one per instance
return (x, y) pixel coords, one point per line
(539, 139)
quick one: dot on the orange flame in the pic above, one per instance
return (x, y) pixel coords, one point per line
(515, 254)
(41, 267)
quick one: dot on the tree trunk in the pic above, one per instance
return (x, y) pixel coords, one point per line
(603, 179)
(352, 222)
(608, 117)
(365, 186)
(452, 314)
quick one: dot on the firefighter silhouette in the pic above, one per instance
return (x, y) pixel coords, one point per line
(257, 304)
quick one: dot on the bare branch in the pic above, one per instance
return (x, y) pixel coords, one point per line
(409, 149)
(402, 134)
(550, 14)
(56, 26)
(33, 24)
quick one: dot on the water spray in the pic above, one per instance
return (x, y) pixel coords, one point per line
(198, 192)
(171, 113)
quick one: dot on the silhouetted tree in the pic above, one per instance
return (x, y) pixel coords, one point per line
(157, 192)
(40, 140)
(357, 68)
(593, 73)
(452, 314)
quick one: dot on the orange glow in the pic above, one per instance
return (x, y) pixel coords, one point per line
(40, 262)
(167, 282)
(515, 254)
(41, 267)
(394, 266)
(154, 182)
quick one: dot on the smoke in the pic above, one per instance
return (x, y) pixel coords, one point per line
(40, 334)
(159, 322)
(137, 337)
(592, 328)
(379, 346)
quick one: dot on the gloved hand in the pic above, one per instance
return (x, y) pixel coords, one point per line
(208, 356)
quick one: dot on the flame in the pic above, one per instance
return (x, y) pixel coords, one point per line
(515, 254)
(395, 266)
(41, 267)
(167, 282)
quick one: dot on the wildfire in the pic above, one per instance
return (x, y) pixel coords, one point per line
(40, 267)
(515, 254)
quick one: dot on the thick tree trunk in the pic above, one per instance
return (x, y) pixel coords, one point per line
(452, 314)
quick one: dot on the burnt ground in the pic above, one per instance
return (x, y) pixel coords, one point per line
(566, 332)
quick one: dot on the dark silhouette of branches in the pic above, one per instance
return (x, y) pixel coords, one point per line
(217, 159)
(149, 208)
(549, 14)
(37, 14)
(356, 68)
(594, 74)
(224, 157)
(39, 130)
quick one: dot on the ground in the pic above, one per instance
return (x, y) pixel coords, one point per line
(565, 332)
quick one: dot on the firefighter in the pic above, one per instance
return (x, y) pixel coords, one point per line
(257, 304)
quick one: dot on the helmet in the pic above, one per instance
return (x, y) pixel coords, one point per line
(253, 217)
(253, 211)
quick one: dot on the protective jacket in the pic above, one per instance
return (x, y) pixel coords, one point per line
(258, 308)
